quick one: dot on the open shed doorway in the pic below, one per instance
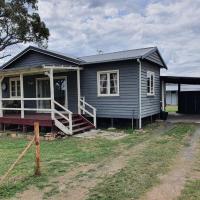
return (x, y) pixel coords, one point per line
(180, 94)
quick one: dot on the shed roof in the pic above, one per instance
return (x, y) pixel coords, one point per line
(181, 80)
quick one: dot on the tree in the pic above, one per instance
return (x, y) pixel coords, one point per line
(20, 23)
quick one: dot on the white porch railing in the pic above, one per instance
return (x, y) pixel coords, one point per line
(22, 108)
(65, 129)
(67, 115)
(84, 105)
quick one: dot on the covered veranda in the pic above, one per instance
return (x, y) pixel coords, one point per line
(24, 115)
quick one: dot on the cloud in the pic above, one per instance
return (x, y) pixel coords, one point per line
(81, 27)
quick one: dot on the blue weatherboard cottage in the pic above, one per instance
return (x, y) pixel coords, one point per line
(63, 91)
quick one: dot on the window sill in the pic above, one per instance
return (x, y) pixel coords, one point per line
(107, 95)
(150, 95)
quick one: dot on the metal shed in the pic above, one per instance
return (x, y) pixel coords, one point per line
(188, 101)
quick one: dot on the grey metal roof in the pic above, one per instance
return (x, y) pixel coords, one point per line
(120, 55)
(92, 59)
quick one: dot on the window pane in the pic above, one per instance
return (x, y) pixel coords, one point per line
(18, 88)
(152, 86)
(12, 88)
(103, 77)
(103, 90)
(148, 84)
(113, 83)
(103, 84)
(113, 90)
(113, 76)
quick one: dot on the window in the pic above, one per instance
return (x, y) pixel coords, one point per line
(15, 87)
(150, 83)
(108, 83)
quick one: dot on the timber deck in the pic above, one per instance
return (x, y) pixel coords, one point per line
(79, 123)
(29, 119)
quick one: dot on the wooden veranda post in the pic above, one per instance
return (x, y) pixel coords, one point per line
(37, 151)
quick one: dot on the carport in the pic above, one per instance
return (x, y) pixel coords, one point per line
(188, 101)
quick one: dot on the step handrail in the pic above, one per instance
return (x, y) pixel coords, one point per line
(69, 118)
(92, 114)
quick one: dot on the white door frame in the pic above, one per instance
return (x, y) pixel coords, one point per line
(56, 77)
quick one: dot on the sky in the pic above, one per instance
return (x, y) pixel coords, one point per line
(83, 27)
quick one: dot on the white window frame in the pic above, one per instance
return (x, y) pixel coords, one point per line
(149, 75)
(108, 72)
(15, 80)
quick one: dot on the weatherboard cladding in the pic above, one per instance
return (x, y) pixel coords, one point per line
(34, 59)
(150, 104)
(123, 106)
(154, 57)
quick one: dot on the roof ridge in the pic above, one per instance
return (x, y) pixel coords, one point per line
(119, 51)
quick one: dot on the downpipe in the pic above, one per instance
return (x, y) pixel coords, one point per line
(140, 72)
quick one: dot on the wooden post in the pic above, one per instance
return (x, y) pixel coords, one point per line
(78, 90)
(22, 94)
(52, 93)
(163, 88)
(1, 104)
(37, 152)
(179, 98)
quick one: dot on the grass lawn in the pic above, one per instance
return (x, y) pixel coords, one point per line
(59, 156)
(170, 108)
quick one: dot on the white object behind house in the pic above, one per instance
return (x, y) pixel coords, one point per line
(172, 92)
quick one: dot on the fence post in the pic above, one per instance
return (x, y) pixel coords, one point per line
(37, 151)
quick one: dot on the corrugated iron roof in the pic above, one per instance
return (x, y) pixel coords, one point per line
(119, 55)
(92, 59)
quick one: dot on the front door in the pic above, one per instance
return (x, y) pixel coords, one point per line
(60, 92)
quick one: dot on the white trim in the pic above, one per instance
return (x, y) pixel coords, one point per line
(140, 93)
(14, 79)
(52, 93)
(93, 114)
(22, 94)
(78, 90)
(149, 74)
(69, 118)
(25, 99)
(108, 82)
(61, 67)
(163, 95)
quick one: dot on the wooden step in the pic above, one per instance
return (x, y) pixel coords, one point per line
(79, 124)
(73, 121)
(82, 129)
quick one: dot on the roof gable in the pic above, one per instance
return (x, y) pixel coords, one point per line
(33, 57)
